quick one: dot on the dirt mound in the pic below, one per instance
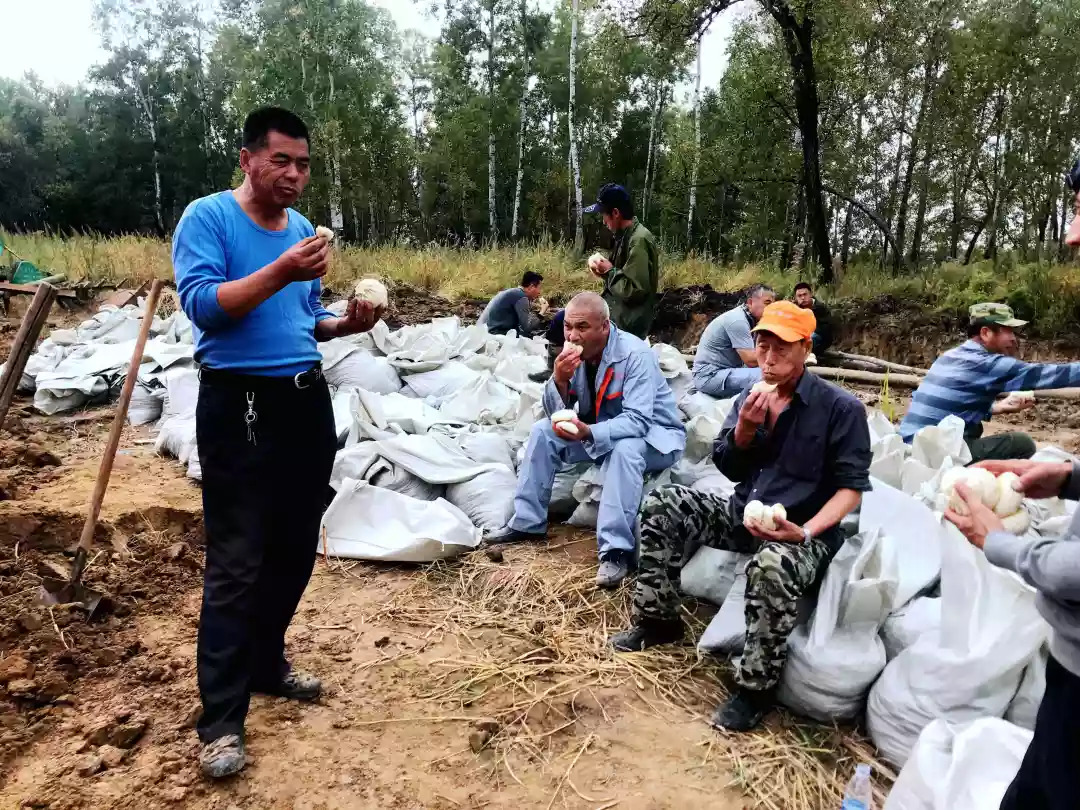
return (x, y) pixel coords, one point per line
(678, 317)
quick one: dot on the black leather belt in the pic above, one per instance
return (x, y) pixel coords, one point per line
(305, 379)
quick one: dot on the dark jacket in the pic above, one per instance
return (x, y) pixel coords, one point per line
(630, 287)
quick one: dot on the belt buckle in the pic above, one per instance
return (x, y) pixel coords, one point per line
(298, 382)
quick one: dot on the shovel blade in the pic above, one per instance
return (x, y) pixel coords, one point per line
(66, 592)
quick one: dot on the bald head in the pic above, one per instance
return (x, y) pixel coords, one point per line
(589, 303)
(588, 324)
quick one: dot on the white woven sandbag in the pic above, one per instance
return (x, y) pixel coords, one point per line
(832, 661)
(1024, 708)
(710, 573)
(365, 522)
(907, 625)
(960, 766)
(972, 666)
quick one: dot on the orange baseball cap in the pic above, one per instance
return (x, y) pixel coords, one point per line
(788, 321)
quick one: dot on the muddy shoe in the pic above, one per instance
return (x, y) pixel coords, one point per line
(504, 536)
(223, 757)
(296, 685)
(647, 633)
(614, 568)
(744, 711)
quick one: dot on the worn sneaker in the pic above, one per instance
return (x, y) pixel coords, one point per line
(647, 633)
(296, 685)
(744, 710)
(222, 757)
(613, 569)
(507, 535)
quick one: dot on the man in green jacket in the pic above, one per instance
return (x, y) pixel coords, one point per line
(632, 275)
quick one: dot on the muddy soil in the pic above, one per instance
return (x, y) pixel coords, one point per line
(100, 714)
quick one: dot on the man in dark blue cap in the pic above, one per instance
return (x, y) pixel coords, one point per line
(632, 274)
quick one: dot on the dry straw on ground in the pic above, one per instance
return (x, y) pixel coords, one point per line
(532, 656)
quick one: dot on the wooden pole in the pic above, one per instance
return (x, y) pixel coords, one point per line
(105, 470)
(23, 347)
(910, 380)
(885, 365)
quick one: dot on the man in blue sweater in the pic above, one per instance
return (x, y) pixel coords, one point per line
(966, 380)
(247, 269)
(1051, 565)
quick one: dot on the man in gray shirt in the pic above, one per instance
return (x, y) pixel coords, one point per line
(725, 362)
(511, 309)
(1047, 777)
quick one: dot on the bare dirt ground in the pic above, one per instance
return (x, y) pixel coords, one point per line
(469, 685)
(423, 667)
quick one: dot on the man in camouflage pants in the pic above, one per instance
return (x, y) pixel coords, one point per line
(805, 445)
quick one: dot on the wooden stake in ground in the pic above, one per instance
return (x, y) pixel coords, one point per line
(23, 347)
(55, 591)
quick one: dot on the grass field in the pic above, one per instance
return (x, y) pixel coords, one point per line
(1048, 295)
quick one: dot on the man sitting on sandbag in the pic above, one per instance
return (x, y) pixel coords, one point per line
(512, 309)
(725, 362)
(966, 380)
(793, 440)
(623, 416)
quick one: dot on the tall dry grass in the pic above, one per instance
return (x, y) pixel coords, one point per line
(1048, 295)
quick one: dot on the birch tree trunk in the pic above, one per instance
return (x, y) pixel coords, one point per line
(575, 167)
(521, 120)
(493, 226)
(337, 218)
(151, 128)
(697, 152)
(649, 156)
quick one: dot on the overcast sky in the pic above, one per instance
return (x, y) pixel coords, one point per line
(56, 38)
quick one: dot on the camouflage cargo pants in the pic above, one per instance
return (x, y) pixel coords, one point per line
(676, 520)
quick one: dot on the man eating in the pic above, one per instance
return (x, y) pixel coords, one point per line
(792, 439)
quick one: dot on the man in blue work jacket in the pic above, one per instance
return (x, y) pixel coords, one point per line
(626, 420)
(247, 269)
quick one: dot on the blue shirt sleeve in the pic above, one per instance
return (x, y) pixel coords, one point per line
(320, 312)
(1016, 375)
(198, 256)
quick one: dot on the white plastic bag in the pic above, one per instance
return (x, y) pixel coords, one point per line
(488, 499)
(907, 625)
(832, 662)
(972, 666)
(727, 630)
(364, 522)
(146, 404)
(1024, 708)
(357, 368)
(710, 573)
(960, 766)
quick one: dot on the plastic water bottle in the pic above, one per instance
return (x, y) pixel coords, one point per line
(860, 792)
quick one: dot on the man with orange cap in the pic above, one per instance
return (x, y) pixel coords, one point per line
(794, 440)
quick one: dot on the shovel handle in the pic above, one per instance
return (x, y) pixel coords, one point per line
(105, 470)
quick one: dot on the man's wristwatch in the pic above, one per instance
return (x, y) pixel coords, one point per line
(807, 535)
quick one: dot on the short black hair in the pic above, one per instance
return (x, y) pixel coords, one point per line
(975, 327)
(261, 122)
(530, 278)
(803, 285)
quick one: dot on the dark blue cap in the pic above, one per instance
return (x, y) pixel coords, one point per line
(611, 196)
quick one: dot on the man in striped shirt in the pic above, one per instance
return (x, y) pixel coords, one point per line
(965, 381)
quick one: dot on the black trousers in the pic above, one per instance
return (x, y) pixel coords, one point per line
(263, 497)
(1049, 776)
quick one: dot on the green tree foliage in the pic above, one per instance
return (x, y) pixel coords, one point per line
(939, 128)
